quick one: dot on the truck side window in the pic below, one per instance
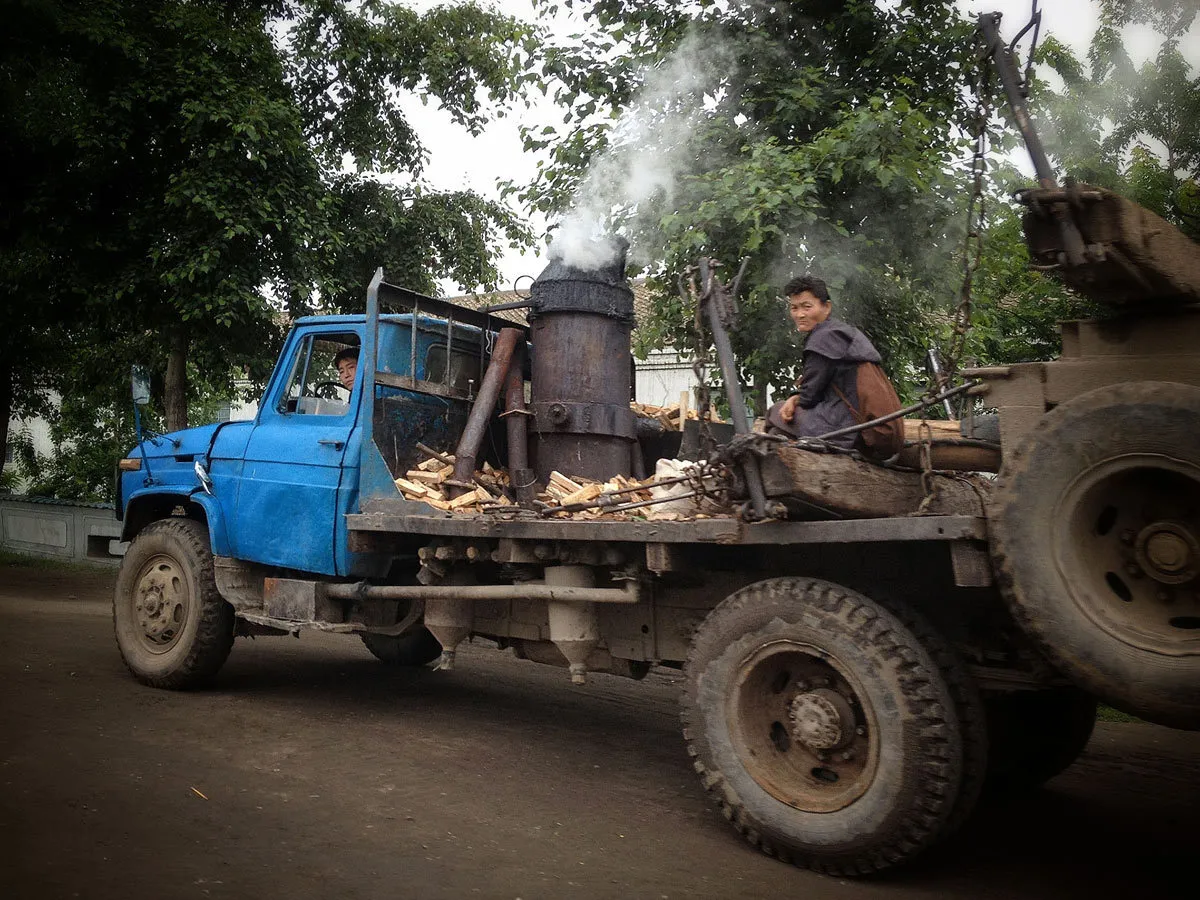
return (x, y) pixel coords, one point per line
(313, 387)
(464, 368)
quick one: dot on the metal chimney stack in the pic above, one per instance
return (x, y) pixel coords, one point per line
(581, 321)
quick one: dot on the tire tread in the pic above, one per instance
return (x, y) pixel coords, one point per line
(215, 627)
(937, 722)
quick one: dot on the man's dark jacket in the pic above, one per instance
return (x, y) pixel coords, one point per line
(831, 357)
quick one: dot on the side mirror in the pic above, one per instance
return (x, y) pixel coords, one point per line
(141, 386)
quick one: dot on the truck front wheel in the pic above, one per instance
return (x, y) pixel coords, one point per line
(823, 726)
(173, 628)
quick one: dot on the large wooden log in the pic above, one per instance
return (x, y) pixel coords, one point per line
(851, 487)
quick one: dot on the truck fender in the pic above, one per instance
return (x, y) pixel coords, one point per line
(149, 505)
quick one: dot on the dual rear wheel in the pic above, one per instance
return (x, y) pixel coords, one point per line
(833, 731)
(843, 734)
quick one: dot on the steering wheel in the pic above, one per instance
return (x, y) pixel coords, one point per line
(328, 390)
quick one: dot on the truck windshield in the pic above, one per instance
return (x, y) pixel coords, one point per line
(313, 387)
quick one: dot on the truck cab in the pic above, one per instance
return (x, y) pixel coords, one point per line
(276, 490)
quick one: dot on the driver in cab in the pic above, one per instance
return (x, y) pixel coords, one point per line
(346, 363)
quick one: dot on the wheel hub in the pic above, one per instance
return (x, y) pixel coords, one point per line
(160, 601)
(821, 720)
(1168, 552)
(1130, 549)
(801, 727)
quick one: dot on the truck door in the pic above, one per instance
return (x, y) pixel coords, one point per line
(287, 505)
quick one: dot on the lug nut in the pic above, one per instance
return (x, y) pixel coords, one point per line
(860, 731)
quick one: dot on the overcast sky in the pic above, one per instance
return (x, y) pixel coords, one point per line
(459, 161)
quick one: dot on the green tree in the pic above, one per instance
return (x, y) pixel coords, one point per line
(1135, 130)
(811, 136)
(192, 172)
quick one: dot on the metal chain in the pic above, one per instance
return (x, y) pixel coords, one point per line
(928, 485)
(972, 251)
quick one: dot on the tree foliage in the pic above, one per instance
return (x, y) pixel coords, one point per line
(1108, 122)
(193, 170)
(1134, 129)
(817, 136)
(829, 137)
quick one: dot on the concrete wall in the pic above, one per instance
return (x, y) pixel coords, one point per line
(72, 532)
(661, 376)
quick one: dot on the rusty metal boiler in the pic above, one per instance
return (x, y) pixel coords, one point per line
(581, 320)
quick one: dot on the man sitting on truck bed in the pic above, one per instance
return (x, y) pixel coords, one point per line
(841, 382)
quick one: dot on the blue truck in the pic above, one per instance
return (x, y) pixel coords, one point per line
(863, 646)
(840, 671)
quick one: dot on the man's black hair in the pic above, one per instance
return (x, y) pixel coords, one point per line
(810, 283)
(346, 353)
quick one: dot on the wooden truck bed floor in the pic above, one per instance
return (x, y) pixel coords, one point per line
(405, 517)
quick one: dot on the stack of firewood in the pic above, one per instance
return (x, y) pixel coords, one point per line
(564, 491)
(672, 417)
(428, 483)
(490, 491)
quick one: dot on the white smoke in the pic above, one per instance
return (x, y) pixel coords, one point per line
(647, 154)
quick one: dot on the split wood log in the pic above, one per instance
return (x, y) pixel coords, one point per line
(412, 487)
(938, 428)
(424, 477)
(851, 487)
(464, 500)
(583, 495)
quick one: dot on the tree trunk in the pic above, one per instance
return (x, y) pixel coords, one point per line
(6, 395)
(762, 381)
(175, 389)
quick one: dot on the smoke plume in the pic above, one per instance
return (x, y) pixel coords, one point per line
(648, 153)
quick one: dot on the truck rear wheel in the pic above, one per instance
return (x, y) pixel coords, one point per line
(1095, 530)
(416, 648)
(1036, 735)
(823, 726)
(173, 628)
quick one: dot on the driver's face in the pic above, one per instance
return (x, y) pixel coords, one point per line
(347, 368)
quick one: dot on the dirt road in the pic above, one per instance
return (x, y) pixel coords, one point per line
(313, 771)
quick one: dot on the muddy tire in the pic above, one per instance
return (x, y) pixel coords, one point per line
(173, 628)
(822, 725)
(1095, 536)
(416, 648)
(1036, 735)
